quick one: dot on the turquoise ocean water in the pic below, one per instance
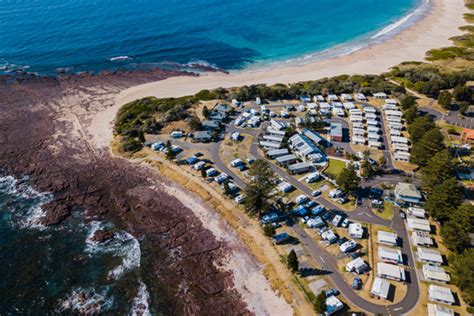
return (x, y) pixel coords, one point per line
(46, 35)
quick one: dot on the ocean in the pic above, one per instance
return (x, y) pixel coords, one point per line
(59, 269)
(47, 36)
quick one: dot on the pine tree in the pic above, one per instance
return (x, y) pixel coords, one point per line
(258, 189)
(320, 303)
(268, 230)
(170, 154)
(348, 180)
(205, 112)
(444, 199)
(292, 261)
(431, 143)
(438, 169)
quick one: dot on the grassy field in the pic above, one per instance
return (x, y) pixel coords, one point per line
(334, 168)
(386, 212)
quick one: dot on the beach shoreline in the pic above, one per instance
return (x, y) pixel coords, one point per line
(433, 31)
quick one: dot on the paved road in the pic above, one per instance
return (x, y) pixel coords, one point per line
(361, 214)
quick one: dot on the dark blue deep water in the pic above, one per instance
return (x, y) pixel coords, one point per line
(45, 35)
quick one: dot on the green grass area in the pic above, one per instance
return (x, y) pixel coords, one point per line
(467, 28)
(334, 168)
(465, 40)
(386, 212)
(448, 53)
(469, 17)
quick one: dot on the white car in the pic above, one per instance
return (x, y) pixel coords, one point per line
(300, 199)
(240, 199)
(345, 223)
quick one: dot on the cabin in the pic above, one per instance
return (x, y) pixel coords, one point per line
(299, 167)
(441, 294)
(407, 193)
(421, 224)
(210, 125)
(380, 95)
(286, 160)
(303, 145)
(270, 145)
(421, 238)
(435, 274)
(429, 256)
(386, 238)
(390, 271)
(275, 153)
(390, 255)
(336, 132)
(416, 212)
(438, 310)
(202, 137)
(380, 288)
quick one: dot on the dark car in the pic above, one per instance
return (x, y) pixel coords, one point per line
(354, 255)
(342, 240)
(331, 292)
(326, 216)
(356, 283)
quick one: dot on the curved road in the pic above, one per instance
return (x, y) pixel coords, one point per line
(325, 259)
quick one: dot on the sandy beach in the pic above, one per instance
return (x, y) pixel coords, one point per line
(433, 31)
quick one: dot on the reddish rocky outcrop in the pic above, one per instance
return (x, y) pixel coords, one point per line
(36, 141)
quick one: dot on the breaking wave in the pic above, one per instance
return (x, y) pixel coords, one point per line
(140, 305)
(122, 244)
(86, 301)
(27, 211)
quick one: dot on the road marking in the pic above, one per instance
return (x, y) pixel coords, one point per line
(388, 310)
(397, 309)
(322, 259)
(368, 215)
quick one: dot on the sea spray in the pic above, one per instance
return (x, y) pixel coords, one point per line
(122, 244)
(86, 301)
(23, 201)
(140, 305)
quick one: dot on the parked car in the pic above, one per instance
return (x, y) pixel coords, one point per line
(354, 255)
(331, 292)
(326, 216)
(345, 223)
(343, 200)
(342, 240)
(281, 238)
(402, 215)
(316, 193)
(356, 283)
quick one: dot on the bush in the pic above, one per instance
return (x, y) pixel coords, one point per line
(269, 230)
(131, 145)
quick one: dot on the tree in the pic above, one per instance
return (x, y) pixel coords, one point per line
(407, 102)
(258, 189)
(194, 123)
(292, 261)
(445, 99)
(430, 144)
(348, 180)
(444, 199)
(320, 303)
(419, 127)
(205, 112)
(462, 267)
(462, 93)
(382, 161)
(170, 154)
(463, 107)
(269, 230)
(203, 172)
(438, 169)
(411, 114)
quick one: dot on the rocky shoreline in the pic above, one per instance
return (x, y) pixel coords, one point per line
(42, 135)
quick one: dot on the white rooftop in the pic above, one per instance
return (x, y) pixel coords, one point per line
(384, 237)
(380, 287)
(440, 293)
(390, 271)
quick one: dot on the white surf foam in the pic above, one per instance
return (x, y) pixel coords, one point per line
(23, 193)
(140, 305)
(122, 245)
(119, 58)
(86, 301)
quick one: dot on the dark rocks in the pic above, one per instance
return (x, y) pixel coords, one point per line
(101, 236)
